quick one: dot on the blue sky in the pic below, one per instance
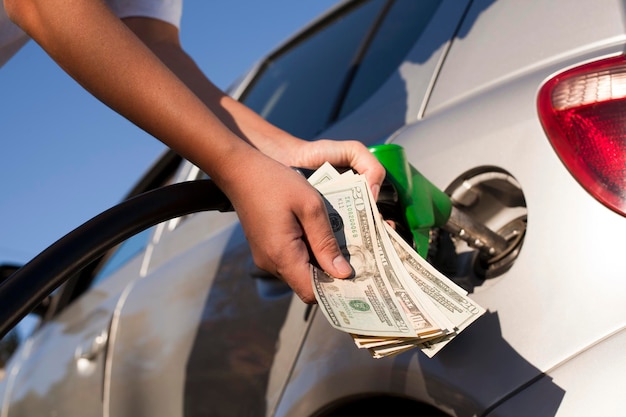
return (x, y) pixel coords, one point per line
(66, 157)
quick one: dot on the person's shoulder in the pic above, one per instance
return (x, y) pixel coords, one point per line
(167, 10)
(12, 38)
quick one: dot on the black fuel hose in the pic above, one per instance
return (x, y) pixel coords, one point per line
(23, 290)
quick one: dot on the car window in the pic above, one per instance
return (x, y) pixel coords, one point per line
(126, 251)
(325, 74)
(298, 88)
(399, 30)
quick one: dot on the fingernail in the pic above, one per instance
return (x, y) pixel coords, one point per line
(343, 267)
(375, 191)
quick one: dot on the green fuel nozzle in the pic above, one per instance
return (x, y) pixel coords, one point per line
(425, 206)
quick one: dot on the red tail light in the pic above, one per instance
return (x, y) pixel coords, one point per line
(583, 111)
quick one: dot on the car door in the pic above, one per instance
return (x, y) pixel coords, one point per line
(60, 369)
(205, 328)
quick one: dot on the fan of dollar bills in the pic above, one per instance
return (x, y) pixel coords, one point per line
(395, 301)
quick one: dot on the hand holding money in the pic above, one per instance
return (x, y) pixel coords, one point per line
(395, 300)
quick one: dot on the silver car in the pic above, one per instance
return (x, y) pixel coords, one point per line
(515, 109)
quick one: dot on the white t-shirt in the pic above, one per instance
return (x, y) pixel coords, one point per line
(12, 38)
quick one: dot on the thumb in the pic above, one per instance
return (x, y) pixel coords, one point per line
(325, 248)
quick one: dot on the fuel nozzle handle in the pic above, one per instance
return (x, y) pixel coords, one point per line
(425, 206)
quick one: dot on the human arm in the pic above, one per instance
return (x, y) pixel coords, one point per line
(163, 39)
(95, 48)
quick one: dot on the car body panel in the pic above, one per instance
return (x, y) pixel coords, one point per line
(66, 358)
(214, 325)
(583, 377)
(501, 40)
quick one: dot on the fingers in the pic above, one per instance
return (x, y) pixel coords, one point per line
(365, 163)
(281, 251)
(349, 153)
(322, 242)
(292, 225)
(292, 266)
(287, 227)
(294, 262)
